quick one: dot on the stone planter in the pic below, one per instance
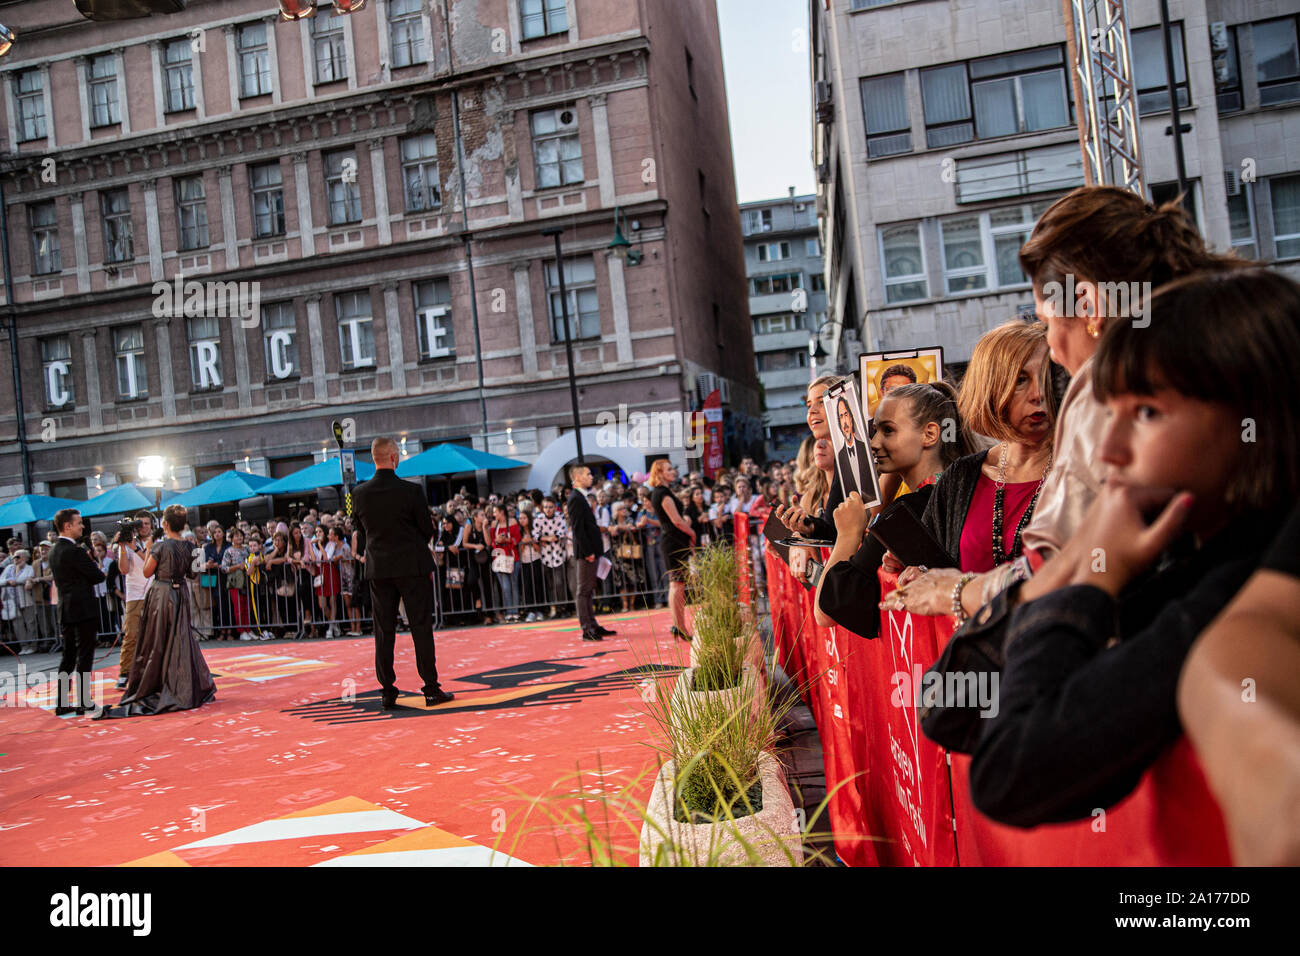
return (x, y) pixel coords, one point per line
(751, 679)
(771, 834)
(753, 652)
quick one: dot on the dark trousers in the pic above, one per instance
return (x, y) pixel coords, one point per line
(586, 585)
(416, 593)
(78, 651)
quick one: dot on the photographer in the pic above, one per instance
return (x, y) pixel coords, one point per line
(131, 546)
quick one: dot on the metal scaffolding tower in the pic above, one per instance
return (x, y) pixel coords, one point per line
(1105, 99)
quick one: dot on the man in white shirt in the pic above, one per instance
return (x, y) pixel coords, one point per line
(130, 561)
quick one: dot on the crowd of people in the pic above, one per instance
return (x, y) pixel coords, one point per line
(1092, 536)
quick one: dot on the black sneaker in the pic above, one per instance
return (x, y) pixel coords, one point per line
(441, 697)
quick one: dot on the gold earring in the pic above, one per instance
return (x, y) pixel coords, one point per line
(1094, 331)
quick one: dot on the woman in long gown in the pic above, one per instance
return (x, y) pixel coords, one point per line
(168, 672)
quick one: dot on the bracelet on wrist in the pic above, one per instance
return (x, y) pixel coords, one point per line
(959, 612)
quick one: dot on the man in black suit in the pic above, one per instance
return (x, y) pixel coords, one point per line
(394, 517)
(851, 464)
(75, 575)
(587, 548)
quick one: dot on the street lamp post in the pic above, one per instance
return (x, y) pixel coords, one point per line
(151, 469)
(568, 340)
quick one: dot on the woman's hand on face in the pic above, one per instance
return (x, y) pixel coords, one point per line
(851, 518)
(928, 592)
(1120, 544)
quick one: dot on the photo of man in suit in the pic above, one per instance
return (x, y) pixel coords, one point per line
(587, 549)
(75, 577)
(852, 461)
(394, 518)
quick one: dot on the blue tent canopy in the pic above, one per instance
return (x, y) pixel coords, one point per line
(225, 487)
(323, 474)
(454, 460)
(28, 508)
(123, 499)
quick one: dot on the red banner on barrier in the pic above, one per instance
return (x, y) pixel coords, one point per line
(897, 786)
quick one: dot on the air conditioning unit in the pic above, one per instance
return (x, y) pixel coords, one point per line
(800, 206)
(705, 383)
(1232, 182)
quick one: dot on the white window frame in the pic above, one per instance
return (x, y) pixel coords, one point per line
(198, 339)
(29, 115)
(198, 209)
(51, 261)
(108, 112)
(571, 290)
(261, 55)
(554, 16)
(351, 192)
(405, 14)
(130, 365)
(1248, 196)
(125, 226)
(281, 338)
(272, 196)
(178, 76)
(887, 281)
(559, 137)
(758, 220)
(1281, 237)
(812, 247)
(989, 235)
(327, 28)
(774, 251)
(425, 164)
(351, 340)
(432, 318)
(60, 377)
(797, 284)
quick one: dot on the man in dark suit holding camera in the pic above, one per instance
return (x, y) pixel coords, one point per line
(75, 576)
(394, 517)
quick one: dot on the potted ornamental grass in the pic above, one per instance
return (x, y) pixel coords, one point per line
(726, 642)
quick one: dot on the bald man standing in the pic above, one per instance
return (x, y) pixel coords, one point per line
(394, 517)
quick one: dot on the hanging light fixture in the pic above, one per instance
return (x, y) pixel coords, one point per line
(349, 6)
(509, 440)
(297, 9)
(620, 246)
(7, 38)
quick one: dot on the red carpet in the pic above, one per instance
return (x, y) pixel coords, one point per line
(295, 764)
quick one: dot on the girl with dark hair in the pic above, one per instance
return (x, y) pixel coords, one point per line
(168, 672)
(1203, 445)
(918, 433)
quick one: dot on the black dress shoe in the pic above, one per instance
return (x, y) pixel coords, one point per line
(388, 703)
(606, 632)
(441, 697)
(592, 637)
(62, 711)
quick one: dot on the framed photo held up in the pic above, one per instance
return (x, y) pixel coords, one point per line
(881, 371)
(855, 468)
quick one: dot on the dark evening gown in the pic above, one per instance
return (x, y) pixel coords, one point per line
(168, 672)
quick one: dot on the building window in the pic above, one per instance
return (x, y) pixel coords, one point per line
(1224, 54)
(342, 189)
(817, 282)
(780, 282)
(115, 210)
(782, 361)
(1241, 219)
(56, 365)
(329, 47)
(556, 149)
(268, 200)
(1277, 60)
(773, 251)
(1284, 194)
(204, 334)
(1148, 54)
(356, 330)
(43, 217)
(757, 220)
(102, 80)
(584, 307)
(903, 263)
(543, 17)
(995, 96)
(420, 173)
(128, 353)
(405, 32)
(179, 72)
(254, 60)
(1162, 193)
(982, 250)
(778, 323)
(192, 211)
(433, 327)
(868, 4)
(29, 91)
(812, 247)
(884, 109)
(280, 337)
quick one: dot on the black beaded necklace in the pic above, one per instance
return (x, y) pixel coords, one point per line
(999, 557)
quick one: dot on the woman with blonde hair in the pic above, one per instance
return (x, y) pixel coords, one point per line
(677, 540)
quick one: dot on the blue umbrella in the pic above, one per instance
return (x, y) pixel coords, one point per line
(226, 487)
(27, 508)
(454, 460)
(121, 500)
(323, 474)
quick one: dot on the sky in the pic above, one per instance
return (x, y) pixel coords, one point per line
(765, 60)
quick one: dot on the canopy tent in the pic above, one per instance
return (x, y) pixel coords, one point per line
(454, 460)
(28, 508)
(225, 487)
(124, 499)
(323, 474)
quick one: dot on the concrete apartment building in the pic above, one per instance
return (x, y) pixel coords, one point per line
(383, 180)
(787, 304)
(944, 127)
